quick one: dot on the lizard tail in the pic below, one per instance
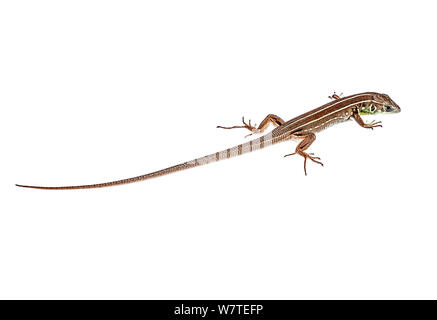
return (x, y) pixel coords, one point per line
(250, 146)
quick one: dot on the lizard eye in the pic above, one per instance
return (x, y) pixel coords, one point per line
(388, 108)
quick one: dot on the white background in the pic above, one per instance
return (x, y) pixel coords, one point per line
(92, 91)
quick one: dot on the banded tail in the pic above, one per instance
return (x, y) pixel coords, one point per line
(247, 147)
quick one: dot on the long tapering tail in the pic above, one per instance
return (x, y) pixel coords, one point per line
(250, 146)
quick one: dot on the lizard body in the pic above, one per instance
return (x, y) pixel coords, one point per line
(302, 128)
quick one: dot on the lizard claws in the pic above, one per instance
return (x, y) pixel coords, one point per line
(306, 156)
(335, 96)
(252, 128)
(373, 124)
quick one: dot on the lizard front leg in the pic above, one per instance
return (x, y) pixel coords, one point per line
(335, 96)
(271, 118)
(359, 120)
(302, 146)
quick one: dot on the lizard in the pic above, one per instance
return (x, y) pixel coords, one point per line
(302, 128)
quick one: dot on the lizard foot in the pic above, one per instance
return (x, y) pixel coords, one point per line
(252, 128)
(306, 156)
(373, 124)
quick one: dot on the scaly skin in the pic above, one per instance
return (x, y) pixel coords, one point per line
(303, 127)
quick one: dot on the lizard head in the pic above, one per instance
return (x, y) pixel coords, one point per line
(381, 103)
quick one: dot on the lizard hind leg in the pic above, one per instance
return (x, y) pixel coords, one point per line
(300, 150)
(271, 118)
